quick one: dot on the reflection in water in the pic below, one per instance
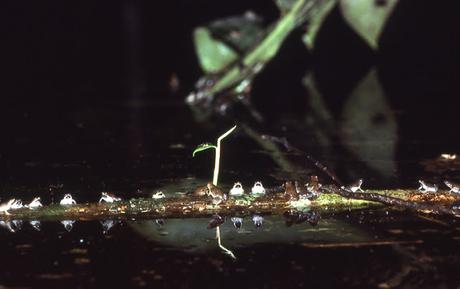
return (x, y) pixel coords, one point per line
(107, 225)
(6, 225)
(258, 220)
(237, 222)
(215, 221)
(68, 224)
(37, 225)
(160, 222)
(193, 234)
(297, 217)
(368, 127)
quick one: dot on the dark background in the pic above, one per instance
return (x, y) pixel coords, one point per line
(85, 88)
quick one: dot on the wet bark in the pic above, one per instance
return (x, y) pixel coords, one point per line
(333, 199)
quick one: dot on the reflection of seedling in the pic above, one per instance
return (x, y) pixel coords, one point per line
(215, 178)
(205, 146)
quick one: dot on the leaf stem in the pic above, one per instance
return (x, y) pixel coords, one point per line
(215, 178)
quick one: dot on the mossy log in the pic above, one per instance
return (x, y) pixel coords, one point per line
(187, 206)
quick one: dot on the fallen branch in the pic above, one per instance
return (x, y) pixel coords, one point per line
(333, 199)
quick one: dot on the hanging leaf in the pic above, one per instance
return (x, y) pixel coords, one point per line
(368, 128)
(213, 55)
(203, 147)
(285, 5)
(367, 17)
(315, 22)
(239, 32)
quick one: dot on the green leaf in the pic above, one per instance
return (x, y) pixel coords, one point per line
(367, 17)
(239, 32)
(316, 21)
(213, 55)
(285, 5)
(203, 147)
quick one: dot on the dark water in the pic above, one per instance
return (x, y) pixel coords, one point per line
(361, 249)
(86, 108)
(135, 151)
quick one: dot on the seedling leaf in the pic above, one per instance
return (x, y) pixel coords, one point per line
(203, 147)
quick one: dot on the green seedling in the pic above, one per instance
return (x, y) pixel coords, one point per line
(215, 179)
(206, 146)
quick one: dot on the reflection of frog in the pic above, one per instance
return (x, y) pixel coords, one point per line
(237, 190)
(354, 187)
(426, 187)
(258, 220)
(37, 225)
(258, 189)
(454, 188)
(68, 224)
(237, 222)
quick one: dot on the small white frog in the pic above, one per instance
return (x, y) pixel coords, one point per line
(35, 203)
(67, 200)
(17, 204)
(237, 190)
(158, 195)
(354, 187)
(454, 188)
(258, 220)
(426, 187)
(5, 207)
(68, 224)
(108, 198)
(258, 189)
